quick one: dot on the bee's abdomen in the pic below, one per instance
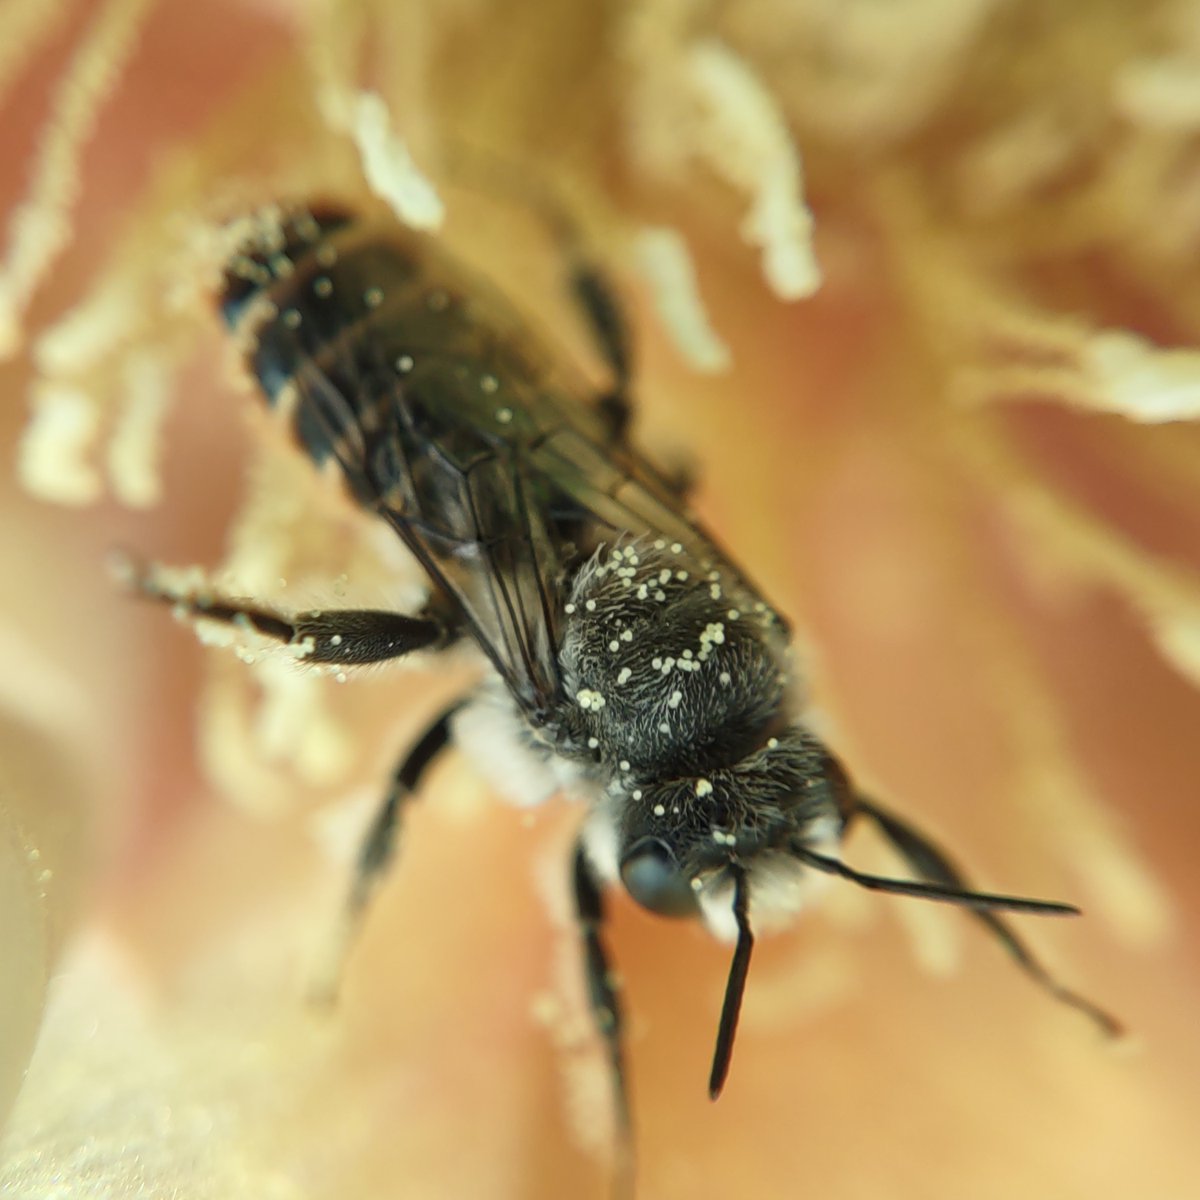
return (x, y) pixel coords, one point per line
(327, 311)
(272, 249)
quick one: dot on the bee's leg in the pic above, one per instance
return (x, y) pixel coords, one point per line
(602, 311)
(597, 299)
(378, 849)
(600, 306)
(344, 637)
(604, 998)
(479, 167)
(610, 332)
(932, 864)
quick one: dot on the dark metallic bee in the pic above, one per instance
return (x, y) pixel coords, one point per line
(633, 662)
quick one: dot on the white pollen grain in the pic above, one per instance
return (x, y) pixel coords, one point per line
(666, 263)
(674, 699)
(660, 810)
(404, 364)
(373, 297)
(387, 165)
(624, 675)
(590, 605)
(703, 787)
(663, 727)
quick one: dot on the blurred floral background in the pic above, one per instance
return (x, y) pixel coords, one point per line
(916, 287)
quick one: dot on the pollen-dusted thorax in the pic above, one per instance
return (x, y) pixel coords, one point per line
(677, 681)
(672, 666)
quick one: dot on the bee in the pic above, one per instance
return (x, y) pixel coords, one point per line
(631, 661)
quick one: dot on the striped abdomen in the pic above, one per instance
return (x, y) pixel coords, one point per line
(363, 335)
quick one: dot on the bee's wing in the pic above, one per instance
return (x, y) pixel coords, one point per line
(415, 453)
(496, 480)
(619, 493)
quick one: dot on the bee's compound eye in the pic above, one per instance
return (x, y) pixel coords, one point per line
(652, 877)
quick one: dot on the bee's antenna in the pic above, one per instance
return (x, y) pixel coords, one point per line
(932, 864)
(738, 970)
(988, 901)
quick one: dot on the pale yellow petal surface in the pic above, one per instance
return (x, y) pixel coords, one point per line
(966, 465)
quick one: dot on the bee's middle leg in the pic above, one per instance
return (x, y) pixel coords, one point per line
(597, 300)
(605, 318)
(378, 848)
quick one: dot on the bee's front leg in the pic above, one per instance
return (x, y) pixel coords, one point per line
(931, 863)
(605, 1000)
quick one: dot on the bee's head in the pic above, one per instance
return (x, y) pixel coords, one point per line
(725, 846)
(743, 841)
(681, 843)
